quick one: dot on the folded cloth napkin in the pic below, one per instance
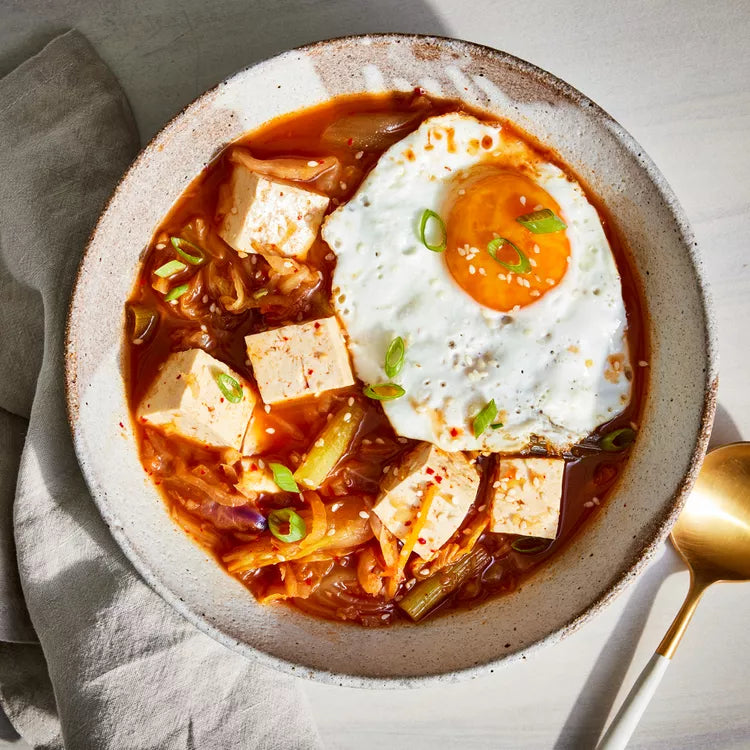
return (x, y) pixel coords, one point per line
(115, 667)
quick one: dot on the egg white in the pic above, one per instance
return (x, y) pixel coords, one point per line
(544, 364)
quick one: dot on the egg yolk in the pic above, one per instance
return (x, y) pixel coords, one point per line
(487, 208)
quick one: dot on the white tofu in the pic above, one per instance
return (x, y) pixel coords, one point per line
(255, 478)
(525, 498)
(299, 360)
(185, 398)
(404, 491)
(265, 216)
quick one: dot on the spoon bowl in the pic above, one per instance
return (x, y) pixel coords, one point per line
(713, 531)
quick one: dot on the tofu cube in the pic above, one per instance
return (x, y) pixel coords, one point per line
(185, 398)
(405, 487)
(299, 360)
(525, 498)
(266, 216)
(256, 478)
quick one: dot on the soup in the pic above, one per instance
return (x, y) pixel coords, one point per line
(385, 358)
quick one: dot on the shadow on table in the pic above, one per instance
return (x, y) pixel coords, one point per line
(586, 720)
(165, 53)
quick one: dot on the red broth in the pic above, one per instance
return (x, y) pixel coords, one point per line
(353, 486)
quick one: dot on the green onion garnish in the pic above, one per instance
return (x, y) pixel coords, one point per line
(195, 260)
(617, 440)
(260, 293)
(176, 293)
(285, 519)
(283, 478)
(523, 265)
(483, 420)
(437, 247)
(231, 389)
(543, 221)
(143, 322)
(394, 357)
(496, 426)
(530, 545)
(170, 269)
(384, 391)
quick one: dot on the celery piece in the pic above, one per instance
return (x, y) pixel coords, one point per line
(427, 594)
(330, 446)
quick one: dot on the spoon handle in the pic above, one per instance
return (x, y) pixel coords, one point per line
(623, 725)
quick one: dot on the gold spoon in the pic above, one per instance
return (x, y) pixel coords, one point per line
(713, 536)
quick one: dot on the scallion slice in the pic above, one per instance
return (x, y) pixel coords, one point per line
(384, 391)
(394, 357)
(617, 440)
(170, 269)
(543, 221)
(176, 292)
(483, 420)
(283, 478)
(230, 388)
(143, 322)
(436, 247)
(178, 243)
(287, 525)
(530, 545)
(523, 265)
(496, 426)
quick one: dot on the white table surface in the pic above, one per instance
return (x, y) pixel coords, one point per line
(677, 76)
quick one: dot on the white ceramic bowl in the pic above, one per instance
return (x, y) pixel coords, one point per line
(598, 563)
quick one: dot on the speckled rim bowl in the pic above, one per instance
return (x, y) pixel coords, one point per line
(611, 550)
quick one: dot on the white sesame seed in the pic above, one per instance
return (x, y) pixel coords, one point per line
(425, 571)
(532, 262)
(523, 200)
(588, 504)
(161, 245)
(312, 163)
(364, 514)
(330, 532)
(482, 272)
(643, 363)
(386, 468)
(137, 342)
(335, 507)
(495, 485)
(270, 430)
(261, 463)
(319, 443)
(359, 154)
(348, 417)
(400, 440)
(366, 441)
(535, 293)
(288, 264)
(551, 282)
(380, 441)
(536, 250)
(205, 299)
(472, 270)
(595, 500)
(330, 256)
(538, 207)
(385, 616)
(350, 401)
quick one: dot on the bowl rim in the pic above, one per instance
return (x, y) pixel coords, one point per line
(623, 579)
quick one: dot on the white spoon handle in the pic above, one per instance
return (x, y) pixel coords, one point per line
(623, 725)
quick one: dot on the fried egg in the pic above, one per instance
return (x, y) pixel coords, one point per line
(548, 345)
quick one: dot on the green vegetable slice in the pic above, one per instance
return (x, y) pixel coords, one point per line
(617, 440)
(427, 594)
(170, 269)
(543, 221)
(484, 419)
(178, 243)
(283, 478)
(287, 525)
(394, 357)
(530, 545)
(143, 322)
(384, 391)
(176, 292)
(436, 247)
(229, 387)
(523, 265)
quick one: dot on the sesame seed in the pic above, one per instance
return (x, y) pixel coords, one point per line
(366, 441)
(385, 616)
(330, 256)
(348, 417)
(330, 532)
(523, 200)
(137, 342)
(482, 272)
(319, 443)
(400, 440)
(385, 469)
(538, 207)
(643, 363)
(536, 249)
(472, 270)
(595, 500)
(261, 463)
(482, 508)
(588, 505)
(267, 408)
(205, 299)
(495, 485)
(350, 401)
(270, 430)
(535, 293)
(359, 154)
(551, 282)
(312, 163)
(335, 507)
(532, 262)
(288, 264)
(425, 571)
(364, 514)
(380, 441)
(161, 245)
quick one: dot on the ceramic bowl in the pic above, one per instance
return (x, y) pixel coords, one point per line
(601, 560)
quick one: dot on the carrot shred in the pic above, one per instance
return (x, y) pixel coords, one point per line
(416, 529)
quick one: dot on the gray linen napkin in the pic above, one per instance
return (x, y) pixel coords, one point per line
(123, 670)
